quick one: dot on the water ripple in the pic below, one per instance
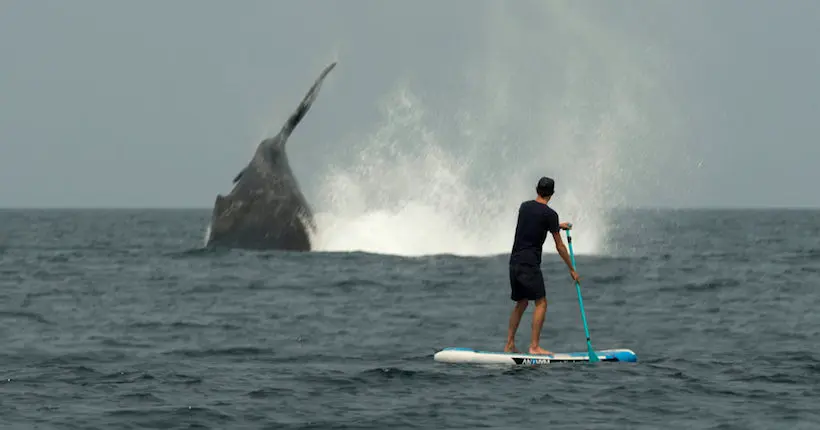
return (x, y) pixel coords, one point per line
(108, 326)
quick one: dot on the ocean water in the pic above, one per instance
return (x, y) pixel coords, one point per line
(117, 319)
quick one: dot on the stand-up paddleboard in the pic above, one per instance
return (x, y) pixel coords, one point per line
(472, 356)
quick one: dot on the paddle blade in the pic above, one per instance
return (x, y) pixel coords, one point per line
(593, 357)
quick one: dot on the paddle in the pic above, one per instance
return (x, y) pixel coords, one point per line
(593, 357)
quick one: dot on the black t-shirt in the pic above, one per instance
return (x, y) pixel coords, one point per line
(534, 221)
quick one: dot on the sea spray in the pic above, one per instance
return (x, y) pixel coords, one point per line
(562, 97)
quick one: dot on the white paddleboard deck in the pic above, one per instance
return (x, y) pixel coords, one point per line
(472, 356)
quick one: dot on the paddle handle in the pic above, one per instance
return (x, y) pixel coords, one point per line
(571, 254)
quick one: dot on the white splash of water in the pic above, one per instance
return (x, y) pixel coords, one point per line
(407, 195)
(424, 185)
(207, 235)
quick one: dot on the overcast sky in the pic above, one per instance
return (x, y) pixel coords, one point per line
(160, 103)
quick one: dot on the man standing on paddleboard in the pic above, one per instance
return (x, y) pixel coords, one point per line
(535, 219)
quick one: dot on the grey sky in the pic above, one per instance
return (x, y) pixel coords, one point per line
(159, 104)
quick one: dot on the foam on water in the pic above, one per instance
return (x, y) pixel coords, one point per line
(560, 97)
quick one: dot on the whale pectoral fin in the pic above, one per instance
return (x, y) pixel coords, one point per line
(303, 107)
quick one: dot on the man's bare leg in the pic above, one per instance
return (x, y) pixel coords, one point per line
(537, 324)
(515, 319)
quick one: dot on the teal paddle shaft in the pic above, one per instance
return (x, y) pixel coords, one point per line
(593, 357)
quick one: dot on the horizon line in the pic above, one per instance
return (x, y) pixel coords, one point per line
(208, 208)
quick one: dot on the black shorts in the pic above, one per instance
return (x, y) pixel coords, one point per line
(526, 282)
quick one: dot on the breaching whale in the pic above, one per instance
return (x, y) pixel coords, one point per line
(266, 208)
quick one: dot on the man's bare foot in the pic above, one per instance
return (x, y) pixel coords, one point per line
(511, 348)
(539, 351)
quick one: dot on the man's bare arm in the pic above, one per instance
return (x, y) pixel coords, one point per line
(562, 251)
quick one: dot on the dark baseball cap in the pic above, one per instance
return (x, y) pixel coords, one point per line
(545, 186)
